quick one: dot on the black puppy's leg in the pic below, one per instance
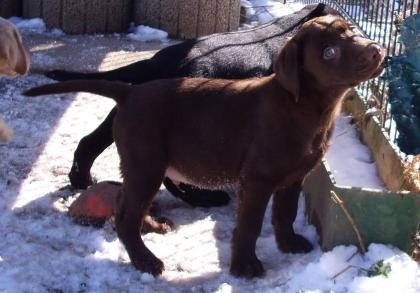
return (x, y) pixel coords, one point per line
(89, 148)
(195, 196)
(285, 203)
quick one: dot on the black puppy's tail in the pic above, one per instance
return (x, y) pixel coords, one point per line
(112, 89)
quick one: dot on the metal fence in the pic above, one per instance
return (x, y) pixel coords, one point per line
(380, 20)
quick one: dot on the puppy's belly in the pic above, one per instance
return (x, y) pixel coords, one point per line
(210, 182)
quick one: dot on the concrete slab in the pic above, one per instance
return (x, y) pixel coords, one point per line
(86, 53)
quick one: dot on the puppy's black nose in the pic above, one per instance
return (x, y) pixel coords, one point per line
(373, 53)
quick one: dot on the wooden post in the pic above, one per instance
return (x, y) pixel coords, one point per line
(96, 16)
(73, 16)
(206, 17)
(32, 8)
(51, 13)
(222, 16)
(235, 14)
(169, 16)
(153, 13)
(188, 17)
(10, 8)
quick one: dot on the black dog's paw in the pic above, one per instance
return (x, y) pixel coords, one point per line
(203, 197)
(248, 268)
(80, 180)
(294, 243)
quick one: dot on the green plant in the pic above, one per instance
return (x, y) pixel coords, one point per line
(379, 268)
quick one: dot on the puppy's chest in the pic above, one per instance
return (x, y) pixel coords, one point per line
(317, 147)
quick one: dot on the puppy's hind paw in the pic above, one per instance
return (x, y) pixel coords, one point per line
(159, 225)
(294, 244)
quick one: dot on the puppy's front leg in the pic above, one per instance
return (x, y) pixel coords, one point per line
(285, 203)
(253, 198)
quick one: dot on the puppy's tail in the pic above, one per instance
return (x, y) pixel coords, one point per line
(112, 89)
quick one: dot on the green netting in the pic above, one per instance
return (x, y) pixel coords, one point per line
(403, 74)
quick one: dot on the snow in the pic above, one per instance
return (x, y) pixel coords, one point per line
(146, 34)
(267, 10)
(350, 160)
(42, 249)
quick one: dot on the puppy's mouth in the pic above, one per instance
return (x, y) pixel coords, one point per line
(378, 70)
(371, 70)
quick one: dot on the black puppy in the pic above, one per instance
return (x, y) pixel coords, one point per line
(235, 55)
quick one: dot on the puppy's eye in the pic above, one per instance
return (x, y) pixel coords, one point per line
(329, 53)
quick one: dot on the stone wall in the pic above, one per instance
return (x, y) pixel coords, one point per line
(180, 18)
(188, 18)
(81, 16)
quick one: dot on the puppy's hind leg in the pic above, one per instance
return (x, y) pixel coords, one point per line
(285, 204)
(133, 202)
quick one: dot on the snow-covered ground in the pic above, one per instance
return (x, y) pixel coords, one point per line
(350, 160)
(42, 249)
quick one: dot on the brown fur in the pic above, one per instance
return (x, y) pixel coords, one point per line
(262, 135)
(14, 60)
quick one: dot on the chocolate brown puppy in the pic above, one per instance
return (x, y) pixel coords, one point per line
(262, 135)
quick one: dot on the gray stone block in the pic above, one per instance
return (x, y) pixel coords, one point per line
(73, 16)
(127, 13)
(206, 17)
(115, 10)
(10, 8)
(188, 18)
(169, 16)
(140, 11)
(51, 13)
(32, 8)
(222, 16)
(153, 13)
(235, 14)
(95, 17)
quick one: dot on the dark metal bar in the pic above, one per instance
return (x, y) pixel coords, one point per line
(388, 47)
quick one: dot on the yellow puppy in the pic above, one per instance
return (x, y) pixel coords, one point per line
(14, 60)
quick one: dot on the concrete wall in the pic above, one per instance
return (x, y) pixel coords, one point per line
(180, 18)
(188, 18)
(81, 16)
(10, 8)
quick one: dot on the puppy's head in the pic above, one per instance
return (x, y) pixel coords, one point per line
(14, 59)
(331, 53)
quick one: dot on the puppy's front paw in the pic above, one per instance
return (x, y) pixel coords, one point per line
(249, 267)
(294, 243)
(148, 263)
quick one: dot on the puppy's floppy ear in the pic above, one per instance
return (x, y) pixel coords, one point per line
(286, 68)
(22, 56)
